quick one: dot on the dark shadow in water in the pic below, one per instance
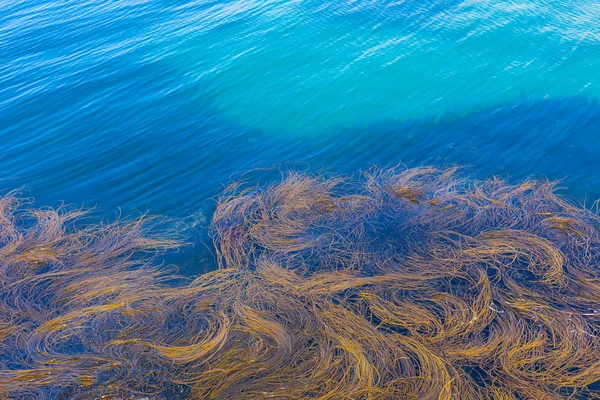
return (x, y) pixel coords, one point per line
(554, 138)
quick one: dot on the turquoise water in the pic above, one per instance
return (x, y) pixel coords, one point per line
(154, 105)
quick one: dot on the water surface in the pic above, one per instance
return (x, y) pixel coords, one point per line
(154, 105)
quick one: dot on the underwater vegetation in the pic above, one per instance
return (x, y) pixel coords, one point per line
(394, 284)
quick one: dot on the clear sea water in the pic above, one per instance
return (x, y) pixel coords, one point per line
(153, 105)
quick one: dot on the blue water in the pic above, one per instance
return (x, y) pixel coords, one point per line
(154, 105)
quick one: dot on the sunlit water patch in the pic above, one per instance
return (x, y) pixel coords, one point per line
(303, 67)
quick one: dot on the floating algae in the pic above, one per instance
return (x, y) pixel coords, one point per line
(401, 284)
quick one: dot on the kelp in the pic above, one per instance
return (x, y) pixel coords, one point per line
(396, 284)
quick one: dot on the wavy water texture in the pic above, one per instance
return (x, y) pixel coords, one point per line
(401, 283)
(154, 104)
(303, 67)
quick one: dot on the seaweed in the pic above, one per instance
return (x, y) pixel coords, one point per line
(401, 283)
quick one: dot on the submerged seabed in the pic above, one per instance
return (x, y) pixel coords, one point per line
(401, 283)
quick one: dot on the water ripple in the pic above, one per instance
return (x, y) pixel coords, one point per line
(155, 104)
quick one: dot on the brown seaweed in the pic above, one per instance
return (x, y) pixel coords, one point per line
(399, 284)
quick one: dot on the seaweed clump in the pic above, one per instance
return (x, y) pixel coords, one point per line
(402, 283)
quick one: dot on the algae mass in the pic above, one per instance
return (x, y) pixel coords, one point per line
(393, 284)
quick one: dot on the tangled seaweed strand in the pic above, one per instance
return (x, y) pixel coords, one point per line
(400, 284)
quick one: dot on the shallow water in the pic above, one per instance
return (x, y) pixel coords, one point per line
(154, 105)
